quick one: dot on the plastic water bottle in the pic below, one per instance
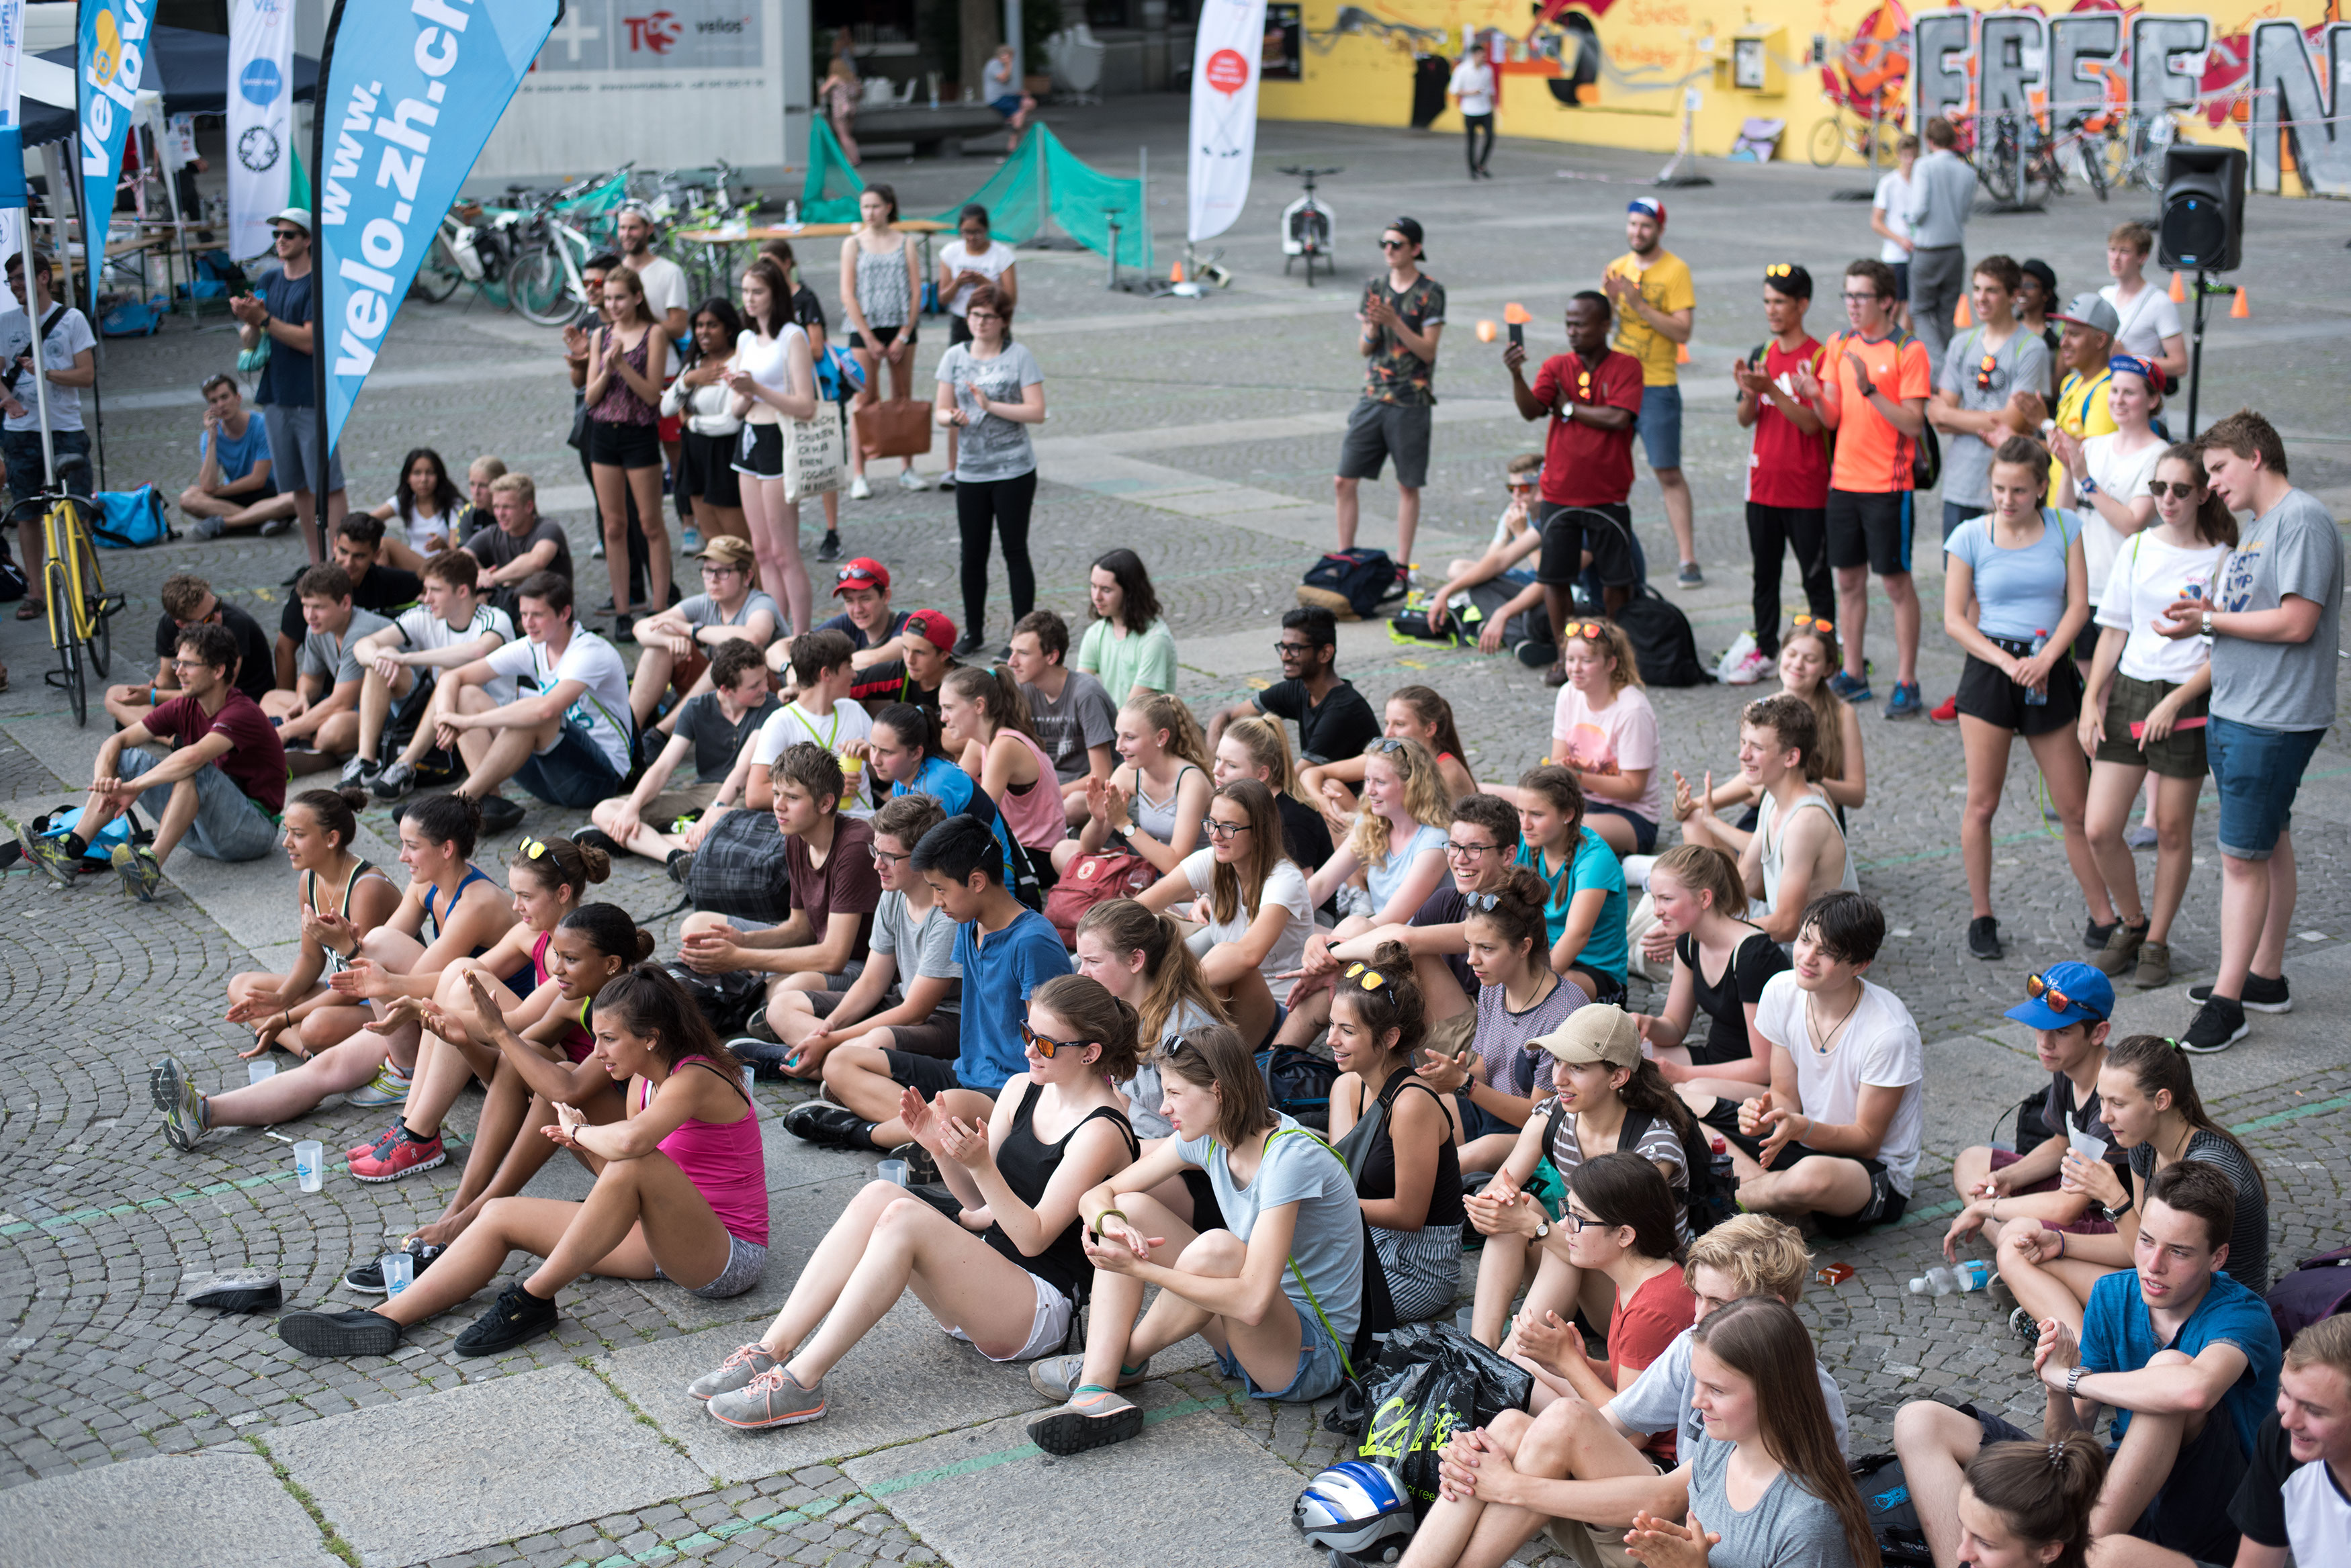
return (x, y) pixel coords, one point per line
(1937, 1281)
(791, 214)
(2038, 696)
(1973, 1274)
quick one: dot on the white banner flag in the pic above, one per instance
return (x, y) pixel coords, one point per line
(1227, 51)
(260, 120)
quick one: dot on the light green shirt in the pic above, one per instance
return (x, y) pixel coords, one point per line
(1123, 663)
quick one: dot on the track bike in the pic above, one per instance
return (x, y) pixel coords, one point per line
(80, 611)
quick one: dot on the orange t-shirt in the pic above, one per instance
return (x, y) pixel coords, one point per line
(1873, 458)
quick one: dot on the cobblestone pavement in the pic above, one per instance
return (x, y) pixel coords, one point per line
(1239, 397)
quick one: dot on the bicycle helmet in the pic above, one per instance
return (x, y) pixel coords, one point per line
(1357, 1508)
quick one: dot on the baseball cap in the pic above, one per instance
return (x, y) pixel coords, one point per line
(865, 572)
(1600, 1033)
(1649, 204)
(2033, 266)
(933, 627)
(728, 551)
(298, 216)
(2088, 993)
(2090, 310)
(1410, 229)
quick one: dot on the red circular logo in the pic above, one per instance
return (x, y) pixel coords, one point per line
(1228, 71)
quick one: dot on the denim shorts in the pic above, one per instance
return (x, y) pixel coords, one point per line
(1644, 829)
(1319, 1370)
(745, 1262)
(1660, 424)
(228, 825)
(21, 450)
(573, 772)
(2257, 772)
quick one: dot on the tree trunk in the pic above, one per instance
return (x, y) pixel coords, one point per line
(982, 32)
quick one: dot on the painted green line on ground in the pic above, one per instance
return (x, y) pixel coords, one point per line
(84, 1216)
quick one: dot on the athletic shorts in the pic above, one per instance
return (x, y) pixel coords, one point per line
(706, 470)
(1644, 829)
(745, 1262)
(2178, 755)
(1660, 424)
(1379, 433)
(938, 1037)
(1886, 1204)
(616, 445)
(1901, 280)
(883, 337)
(932, 1075)
(759, 452)
(1870, 529)
(1986, 693)
(1605, 530)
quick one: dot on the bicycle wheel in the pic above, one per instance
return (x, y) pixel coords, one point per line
(2093, 165)
(1827, 143)
(58, 586)
(535, 282)
(437, 277)
(96, 614)
(1998, 168)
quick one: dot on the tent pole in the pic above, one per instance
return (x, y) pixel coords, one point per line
(319, 101)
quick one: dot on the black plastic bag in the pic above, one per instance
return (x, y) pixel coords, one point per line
(1432, 1381)
(728, 1000)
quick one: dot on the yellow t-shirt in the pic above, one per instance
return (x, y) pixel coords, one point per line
(2080, 413)
(1666, 284)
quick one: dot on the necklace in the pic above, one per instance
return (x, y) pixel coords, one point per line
(1824, 1041)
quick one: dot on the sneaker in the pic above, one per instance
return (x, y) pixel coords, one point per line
(1401, 585)
(596, 550)
(597, 838)
(500, 815)
(680, 865)
(1750, 670)
(2154, 966)
(388, 1087)
(275, 526)
(858, 489)
(1057, 1377)
(138, 869)
(340, 1333)
(735, 1373)
(969, 643)
(829, 1126)
(947, 483)
(1557, 674)
(406, 1155)
(516, 1317)
(205, 528)
(1093, 1419)
(358, 770)
(2219, 1024)
(379, 1145)
(1906, 703)
(1851, 690)
(770, 1399)
(186, 1118)
(2121, 948)
(396, 780)
(829, 548)
(1537, 655)
(908, 480)
(2023, 1324)
(1983, 936)
(2262, 994)
(1947, 712)
(2140, 836)
(1690, 577)
(691, 537)
(50, 855)
(624, 628)
(368, 1278)
(2095, 936)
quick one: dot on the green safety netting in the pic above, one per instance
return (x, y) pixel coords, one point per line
(1084, 202)
(1014, 194)
(829, 194)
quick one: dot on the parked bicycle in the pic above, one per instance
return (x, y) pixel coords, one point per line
(80, 611)
(525, 255)
(1870, 138)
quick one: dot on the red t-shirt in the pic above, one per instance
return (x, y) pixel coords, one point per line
(1785, 467)
(1582, 466)
(1873, 458)
(1640, 1330)
(256, 760)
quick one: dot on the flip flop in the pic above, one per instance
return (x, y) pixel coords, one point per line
(31, 609)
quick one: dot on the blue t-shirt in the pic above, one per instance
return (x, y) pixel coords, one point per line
(959, 795)
(1383, 876)
(237, 453)
(999, 976)
(1594, 865)
(1326, 1243)
(2117, 1336)
(2019, 593)
(286, 378)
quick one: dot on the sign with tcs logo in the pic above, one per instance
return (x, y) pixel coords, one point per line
(655, 35)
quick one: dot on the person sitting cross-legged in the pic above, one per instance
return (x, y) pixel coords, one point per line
(676, 645)
(403, 663)
(189, 600)
(233, 488)
(376, 586)
(1004, 1275)
(2186, 1358)
(1798, 849)
(716, 729)
(321, 715)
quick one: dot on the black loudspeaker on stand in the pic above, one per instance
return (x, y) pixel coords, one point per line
(2201, 228)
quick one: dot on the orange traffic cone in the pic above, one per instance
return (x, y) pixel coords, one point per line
(1681, 354)
(1175, 273)
(2242, 309)
(1963, 318)
(2178, 288)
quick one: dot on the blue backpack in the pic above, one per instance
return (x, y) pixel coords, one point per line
(130, 520)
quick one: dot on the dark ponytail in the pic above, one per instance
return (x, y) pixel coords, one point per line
(996, 692)
(2043, 1491)
(615, 935)
(1385, 995)
(1517, 916)
(448, 819)
(650, 1004)
(919, 727)
(2158, 1067)
(333, 809)
(559, 863)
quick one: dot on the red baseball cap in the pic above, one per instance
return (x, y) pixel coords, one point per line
(933, 627)
(865, 572)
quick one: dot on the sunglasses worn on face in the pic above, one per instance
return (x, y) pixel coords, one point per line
(2179, 489)
(1048, 1048)
(1395, 245)
(2040, 989)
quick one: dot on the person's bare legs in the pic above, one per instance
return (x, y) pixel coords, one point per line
(2144, 1461)
(1251, 1006)
(298, 1091)
(1675, 491)
(2105, 817)
(2056, 1289)
(2257, 899)
(1349, 508)
(645, 485)
(864, 398)
(1853, 617)
(1902, 589)
(1935, 1442)
(643, 1212)
(2175, 820)
(2066, 773)
(1408, 521)
(1986, 745)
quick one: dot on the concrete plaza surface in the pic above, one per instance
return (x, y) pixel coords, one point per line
(1202, 433)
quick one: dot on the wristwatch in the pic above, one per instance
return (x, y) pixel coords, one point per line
(1542, 1227)
(2207, 623)
(2114, 1212)
(2073, 1382)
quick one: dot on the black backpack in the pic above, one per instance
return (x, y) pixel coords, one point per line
(1299, 1082)
(1663, 645)
(1350, 584)
(1712, 1194)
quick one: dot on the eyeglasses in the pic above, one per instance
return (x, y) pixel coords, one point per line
(1814, 623)
(1578, 1223)
(2179, 489)
(1294, 650)
(982, 316)
(1220, 831)
(1047, 1048)
(884, 858)
(1366, 976)
(188, 664)
(2037, 988)
(1853, 299)
(1466, 851)
(1590, 630)
(718, 569)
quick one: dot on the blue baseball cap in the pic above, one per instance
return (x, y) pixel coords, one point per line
(2088, 993)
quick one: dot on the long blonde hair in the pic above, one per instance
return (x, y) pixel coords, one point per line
(1170, 967)
(1423, 795)
(1235, 887)
(1185, 738)
(1828, 709)
(1268, 744)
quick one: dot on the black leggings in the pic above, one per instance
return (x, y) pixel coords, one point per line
(1472, 124)
(1770, 530)
(1005, 503)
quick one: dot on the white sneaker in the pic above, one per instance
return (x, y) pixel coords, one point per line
(909, 480)
(1750, 670)
(388, 1087)
(858, 489)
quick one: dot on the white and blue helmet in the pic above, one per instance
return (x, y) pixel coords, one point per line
(1355, 1507)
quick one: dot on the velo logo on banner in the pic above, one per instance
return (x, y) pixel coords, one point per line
(260, 119)
(111, 56)
(425, 85)
(1225, 55)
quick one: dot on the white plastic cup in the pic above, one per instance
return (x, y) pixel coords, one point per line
(259, 1072)
(750, 1077)
(399, 1272)
(892, 1171)
(311, 1164)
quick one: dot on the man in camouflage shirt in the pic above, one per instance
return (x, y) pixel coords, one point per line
(1402, 318)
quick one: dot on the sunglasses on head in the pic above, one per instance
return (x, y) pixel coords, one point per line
(1590, 630)
(1045, 1048)
(852, 575)
(2179, 489)
(1484, 903)
(1814, 623)
(2038, 989)
(1780, 269)
(1385, 745)
(1365, 976)
(532, 849)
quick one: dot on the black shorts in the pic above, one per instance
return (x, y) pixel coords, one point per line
(1644, 828)
(930, 1074)
(1206, 1213)
(1987, 693)
(706, 470)
(615, 444)
(883, 337)
(1886, 1204)
(1608, 988)
(1605, 530)
(1901, 280)
(759, 452)
(1870, 529)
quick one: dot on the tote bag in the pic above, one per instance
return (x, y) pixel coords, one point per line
(816, 455)
(895, 427)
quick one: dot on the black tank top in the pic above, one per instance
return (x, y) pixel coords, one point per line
(1377, 1179)
(1028, 1163)
(1755, 959)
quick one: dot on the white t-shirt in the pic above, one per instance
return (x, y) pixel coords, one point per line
(2149, 576)
(1881, 1048)
(664, 283)
(420, 630)
(69, 337)
(2147, 320)
(791, 724)
(2124, 476)
(1474, 85)
(423, 526)
(1893, 199)
(601, 708)
(1285, 886)
(956, 256)
(1613, 739)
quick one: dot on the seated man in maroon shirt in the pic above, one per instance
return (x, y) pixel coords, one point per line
(222, 788)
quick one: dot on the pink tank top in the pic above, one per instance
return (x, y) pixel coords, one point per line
(723, 1159)
(1034, 815)
(577, 1041)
